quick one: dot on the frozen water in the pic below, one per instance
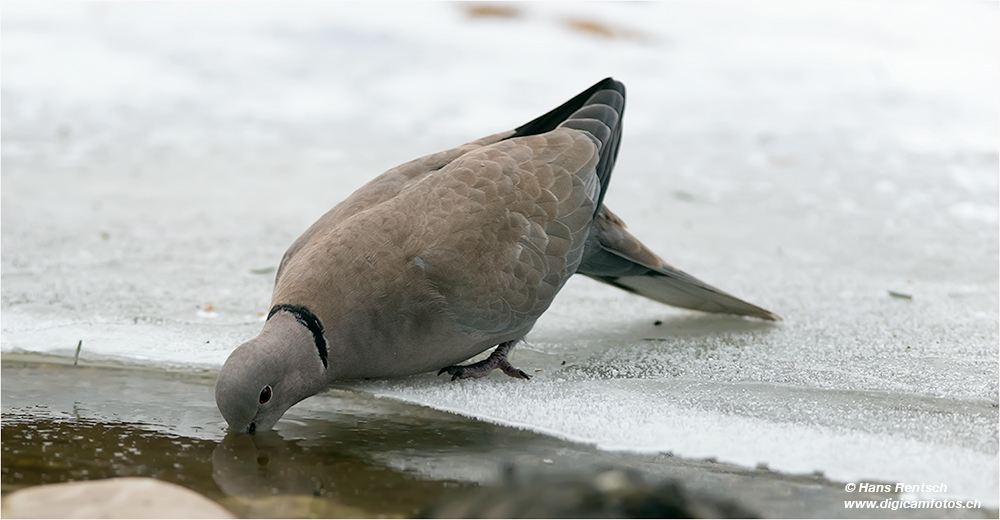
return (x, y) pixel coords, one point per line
(809, 157)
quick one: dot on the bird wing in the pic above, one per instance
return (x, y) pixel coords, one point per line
(502, 221)
(383, 188)
(505, 226)
(507, 223)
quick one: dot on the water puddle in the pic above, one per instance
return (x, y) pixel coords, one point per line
(338, 454)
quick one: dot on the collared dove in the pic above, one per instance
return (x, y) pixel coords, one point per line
(443, 257)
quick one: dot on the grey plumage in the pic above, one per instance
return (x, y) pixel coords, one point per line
(448, 255)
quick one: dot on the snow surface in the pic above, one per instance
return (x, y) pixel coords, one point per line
(809, 157)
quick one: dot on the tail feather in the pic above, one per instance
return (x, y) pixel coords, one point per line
(679, 289)
(615, 257)
(611, 254)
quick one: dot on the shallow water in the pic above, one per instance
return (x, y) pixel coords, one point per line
(339, 454)
(110, 422)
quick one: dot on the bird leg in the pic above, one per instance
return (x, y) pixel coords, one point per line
(497, 359)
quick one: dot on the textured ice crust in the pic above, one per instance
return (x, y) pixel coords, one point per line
(808, 157)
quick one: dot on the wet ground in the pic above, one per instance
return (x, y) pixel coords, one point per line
(338, 454)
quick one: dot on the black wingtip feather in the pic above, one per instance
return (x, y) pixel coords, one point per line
(607, 94)
(555, 117)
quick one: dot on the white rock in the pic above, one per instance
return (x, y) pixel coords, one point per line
(131, 497)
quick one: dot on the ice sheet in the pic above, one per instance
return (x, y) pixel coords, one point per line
(809, 157)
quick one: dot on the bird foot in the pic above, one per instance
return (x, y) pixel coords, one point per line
(497, 359)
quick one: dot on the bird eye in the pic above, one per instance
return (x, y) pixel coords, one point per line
(265, 394)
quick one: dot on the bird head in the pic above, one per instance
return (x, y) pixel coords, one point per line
(265, 376)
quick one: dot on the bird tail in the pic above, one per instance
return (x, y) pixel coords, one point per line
(613, 256)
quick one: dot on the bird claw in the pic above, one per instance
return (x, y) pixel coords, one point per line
(498, 359)
(458, 371)
(513, 371)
